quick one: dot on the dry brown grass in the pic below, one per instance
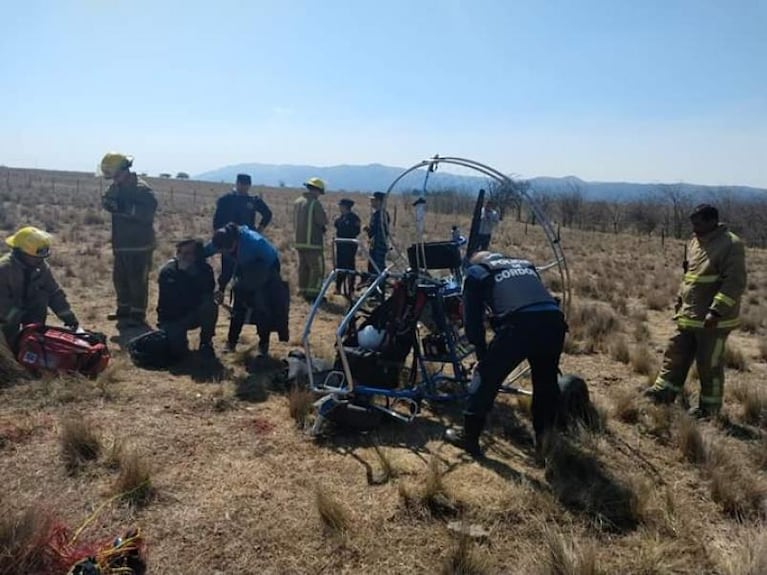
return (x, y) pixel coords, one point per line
(753, 398)
(244, 479)
(763, 349)
(432, 496)
(734, 358)
(619, 350)
(22, 536)
(626, 407)
(464, 559)
(643, 361)
(333, 514)
(750, 557)
(690, 441)
(740, 492)
(300, 402)
(581, 482)
(134, 482)
(564, 556)
(80, 443)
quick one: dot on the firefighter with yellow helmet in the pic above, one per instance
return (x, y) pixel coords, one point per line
(132, 205)
(27, 285)
(310, 223)
(707, 311)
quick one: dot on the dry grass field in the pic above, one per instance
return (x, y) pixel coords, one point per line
(223, 479)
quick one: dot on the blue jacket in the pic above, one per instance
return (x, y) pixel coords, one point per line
(241, 209)
(253, 256)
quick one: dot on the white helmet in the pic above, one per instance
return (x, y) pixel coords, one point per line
(370, 338)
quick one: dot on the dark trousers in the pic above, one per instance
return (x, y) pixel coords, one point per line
(227, 266)
(345, 259)
(131, 281)
(379, 257)
(483, 242)
(203, 317)
(537, 337)
(251, 306)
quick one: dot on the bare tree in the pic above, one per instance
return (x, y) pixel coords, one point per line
(571, 204)
(679, 205)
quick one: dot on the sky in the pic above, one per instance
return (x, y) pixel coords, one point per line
(657, 90)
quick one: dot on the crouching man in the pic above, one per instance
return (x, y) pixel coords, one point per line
(186, 302)
(27, 286)
(528, 324)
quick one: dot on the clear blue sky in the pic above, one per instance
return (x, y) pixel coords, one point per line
(612, 89)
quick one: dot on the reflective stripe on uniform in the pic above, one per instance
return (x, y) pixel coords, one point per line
(696, 323)
(661, 383)
(697, 279)
(716, 354)
(710, 400)
(725, 299)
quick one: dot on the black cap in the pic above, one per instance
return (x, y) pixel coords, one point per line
(346, 202)
(243, 179)
(706, 212)
(378, 196)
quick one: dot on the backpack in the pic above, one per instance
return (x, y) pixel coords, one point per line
(62, 350)
(151, 350)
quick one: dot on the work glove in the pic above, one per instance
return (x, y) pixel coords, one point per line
(110, 204)
(69, 319)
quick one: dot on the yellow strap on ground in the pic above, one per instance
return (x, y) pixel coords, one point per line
(101, 507)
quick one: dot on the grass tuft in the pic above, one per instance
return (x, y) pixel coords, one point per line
(734, 358)
(22, 538)
(300, 404)
(134, 483)
(642, 360)
(690, 441)
(80, 443)
(619, 350)
(464, 560)
(332, 514)
(626, 408)
(565, 557)
(754, 402)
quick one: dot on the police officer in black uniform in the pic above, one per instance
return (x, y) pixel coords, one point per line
(377, 232)
(348, 226)
(240, 208)
(528, 324)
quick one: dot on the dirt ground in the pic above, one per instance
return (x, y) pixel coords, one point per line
(238, 486)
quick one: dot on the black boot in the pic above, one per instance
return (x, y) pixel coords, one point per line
(468, 437)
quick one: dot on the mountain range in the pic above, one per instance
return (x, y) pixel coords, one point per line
(377, 177)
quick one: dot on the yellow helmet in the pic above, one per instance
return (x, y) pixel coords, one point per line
(315, 183)
(113, 163)
(31, 241)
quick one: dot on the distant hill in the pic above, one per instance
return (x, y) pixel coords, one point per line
(377, 177)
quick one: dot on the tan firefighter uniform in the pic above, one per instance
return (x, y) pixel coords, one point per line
(310, 222)
(26, 294)
(133, 206)
(714, 282)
